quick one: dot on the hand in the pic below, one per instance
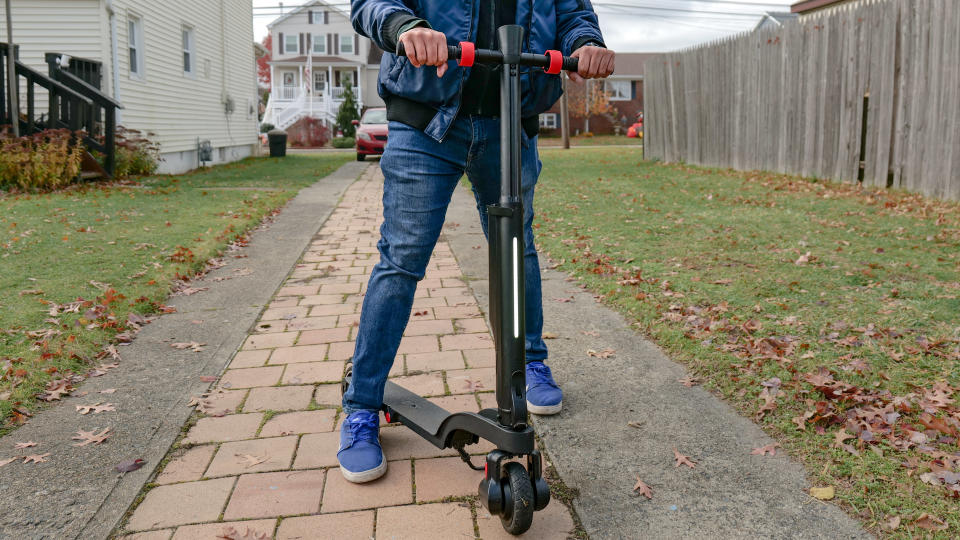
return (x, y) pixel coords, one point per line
(426, 47)
(594, 63)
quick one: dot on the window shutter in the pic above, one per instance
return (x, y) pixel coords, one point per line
(310, 44)
(301, 43)
(329, 44)
(633, 90)
(336, 44)
(283, 47)
(356, 44)
(310, 17)
(326, 17)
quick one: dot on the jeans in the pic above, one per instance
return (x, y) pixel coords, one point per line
(420, 175)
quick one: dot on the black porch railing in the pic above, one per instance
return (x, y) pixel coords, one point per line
(72, 103)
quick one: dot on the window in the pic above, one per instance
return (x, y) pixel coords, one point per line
(320, 44)
(618, 90)
(548, 120)
(346, 44)
(319, 81)
(291, 44)
(189, 52)
(135, 45)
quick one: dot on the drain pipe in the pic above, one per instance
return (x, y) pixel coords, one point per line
(115, 53)
(13, 86)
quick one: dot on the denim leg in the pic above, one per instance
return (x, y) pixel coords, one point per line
(483, 170)
(419, 178)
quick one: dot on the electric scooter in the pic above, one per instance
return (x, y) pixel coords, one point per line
(508, 489)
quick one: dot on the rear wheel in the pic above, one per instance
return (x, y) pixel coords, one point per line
(518, 517)
(361, 157)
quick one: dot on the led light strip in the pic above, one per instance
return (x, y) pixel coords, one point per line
(516, 292)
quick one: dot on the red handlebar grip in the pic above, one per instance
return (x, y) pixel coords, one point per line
(556, 62)
(468, 53)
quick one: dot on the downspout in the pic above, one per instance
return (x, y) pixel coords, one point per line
(115, 56)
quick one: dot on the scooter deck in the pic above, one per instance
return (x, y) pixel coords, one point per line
(437, 425)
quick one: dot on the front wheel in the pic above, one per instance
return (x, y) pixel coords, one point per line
(518, 517)
(361, 157)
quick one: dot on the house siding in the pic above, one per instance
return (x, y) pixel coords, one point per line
(181, 108)
(176, 107)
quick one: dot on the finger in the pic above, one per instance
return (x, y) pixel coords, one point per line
(441, 69)
(575, 77)
(606, 65)
(410, 46)
(423, 51)
(591, 68)
(430, 50)
(442, 53)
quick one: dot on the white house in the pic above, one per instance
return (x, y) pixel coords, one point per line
(315, 50)
(182, 69)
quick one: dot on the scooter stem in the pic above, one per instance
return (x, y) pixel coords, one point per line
(505, 232)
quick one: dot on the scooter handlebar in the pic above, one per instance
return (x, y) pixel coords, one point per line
(466, 55)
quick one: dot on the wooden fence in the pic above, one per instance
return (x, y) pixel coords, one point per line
(868, 91)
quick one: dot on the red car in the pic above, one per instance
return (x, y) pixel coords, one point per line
(371, 133)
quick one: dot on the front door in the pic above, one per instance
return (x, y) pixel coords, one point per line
(289, 90)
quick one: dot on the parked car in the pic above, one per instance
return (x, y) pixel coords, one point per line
(371, 133)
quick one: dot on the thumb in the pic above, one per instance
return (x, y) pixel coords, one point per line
(575, 77)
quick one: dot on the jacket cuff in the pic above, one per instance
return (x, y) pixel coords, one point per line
(396, 24)
(587, 40)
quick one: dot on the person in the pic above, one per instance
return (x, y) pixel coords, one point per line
(443, 124)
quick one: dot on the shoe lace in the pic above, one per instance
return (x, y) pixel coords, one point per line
(539, 374)
(363, 428)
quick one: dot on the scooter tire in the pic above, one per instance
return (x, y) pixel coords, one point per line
(517, 519)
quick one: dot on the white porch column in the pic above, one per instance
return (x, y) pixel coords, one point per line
(273, 81)
(359, 89)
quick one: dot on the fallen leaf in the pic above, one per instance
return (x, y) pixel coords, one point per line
(129, 465)
(4, 462)
(473, 385)
(192, 345)
(682, 459)
(824, 493)
(930, 523)
(208, 378)
(689, 381)
(108, 391)
(36, 458)
(232, 533)
(763, 450)
(637, 425)
(91, 437)
(22, 445)
(248, 460)
(593, 333)
(804, 259)
(643, 489)
(605, 353)
(892, 524)
(564, 300)
(549, 335)
(31, 292)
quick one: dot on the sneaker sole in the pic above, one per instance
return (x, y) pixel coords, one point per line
(365, 476)
(544, 410)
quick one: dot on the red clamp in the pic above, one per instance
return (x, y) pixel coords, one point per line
(556, 62)
(468, 53)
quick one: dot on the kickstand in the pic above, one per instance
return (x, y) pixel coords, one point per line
(466, 458)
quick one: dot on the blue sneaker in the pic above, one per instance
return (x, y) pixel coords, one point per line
(360, 456)
(543, 395)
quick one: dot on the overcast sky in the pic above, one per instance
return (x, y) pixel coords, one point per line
(628, 25)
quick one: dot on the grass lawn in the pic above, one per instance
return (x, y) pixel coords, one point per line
(596, 140)
(829, 314)
(75, 264)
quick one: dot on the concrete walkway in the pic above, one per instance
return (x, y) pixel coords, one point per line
(263, 457)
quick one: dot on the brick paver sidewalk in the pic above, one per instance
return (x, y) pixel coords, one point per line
(263, 459)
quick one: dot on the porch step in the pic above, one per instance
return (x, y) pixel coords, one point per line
(90, 168)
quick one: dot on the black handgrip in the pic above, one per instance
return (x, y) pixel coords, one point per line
(453, 52)
(570, 63)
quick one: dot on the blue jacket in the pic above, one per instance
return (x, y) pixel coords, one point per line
(549, 24)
